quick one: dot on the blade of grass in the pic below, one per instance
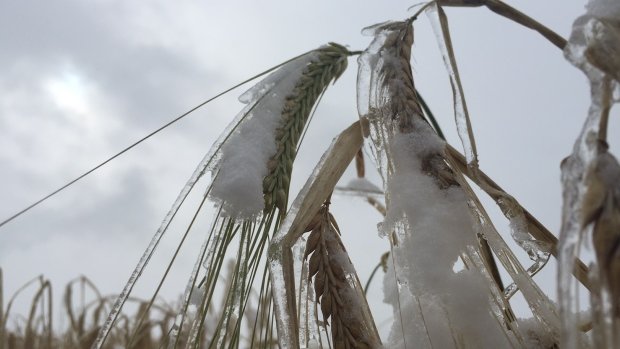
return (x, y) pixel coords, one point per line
(513, 14)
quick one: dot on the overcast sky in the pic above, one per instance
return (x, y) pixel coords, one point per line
(80, 80)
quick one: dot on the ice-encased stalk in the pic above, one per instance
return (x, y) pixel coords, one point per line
(439, 22)
(317, 188)
(206, 251)
(590, 37)
(205, 164)
(428, 214)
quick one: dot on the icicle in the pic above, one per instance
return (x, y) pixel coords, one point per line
(439, 22)
(593, 40)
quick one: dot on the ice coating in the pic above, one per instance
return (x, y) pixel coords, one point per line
(206, 163)
(243, 164)
(428, 215)
(191, 296)
(276, 272)
(594, 40)
(534, 337)
(461, 115)
(434, 227)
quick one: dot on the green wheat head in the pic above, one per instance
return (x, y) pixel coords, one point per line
(330, 63)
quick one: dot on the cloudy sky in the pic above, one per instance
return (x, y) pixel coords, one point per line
(80, 80)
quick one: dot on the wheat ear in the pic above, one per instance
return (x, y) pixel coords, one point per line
(329, 64)
(337, 287)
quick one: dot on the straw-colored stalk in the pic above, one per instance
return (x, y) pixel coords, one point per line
(337, 286)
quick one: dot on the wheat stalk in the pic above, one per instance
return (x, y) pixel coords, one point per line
(329, 64)
(337, 287)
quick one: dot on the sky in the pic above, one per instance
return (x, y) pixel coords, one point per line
(80, 81)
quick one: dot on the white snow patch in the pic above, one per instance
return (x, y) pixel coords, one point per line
(434, 227)
(238, 184)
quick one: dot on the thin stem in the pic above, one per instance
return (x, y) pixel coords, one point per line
(513, 14)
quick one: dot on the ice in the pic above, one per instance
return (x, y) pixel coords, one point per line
(434, 228)
(205, 164)
(428, 218)
(519, 230)
(535, 337)
(371, 91)
(307, 325)
(461, 115)
(594, 39)
(244, 157)
(191, 296)
(276, 272)
(604, 8)
(537, 251)
(312, 344)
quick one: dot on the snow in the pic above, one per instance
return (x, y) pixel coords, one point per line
(534, 335)
(431, 227)
(434, 227)
(238, 184)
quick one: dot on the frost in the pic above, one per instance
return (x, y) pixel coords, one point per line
(243, 164)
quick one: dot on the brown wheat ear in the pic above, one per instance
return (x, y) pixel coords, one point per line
(337, 287)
